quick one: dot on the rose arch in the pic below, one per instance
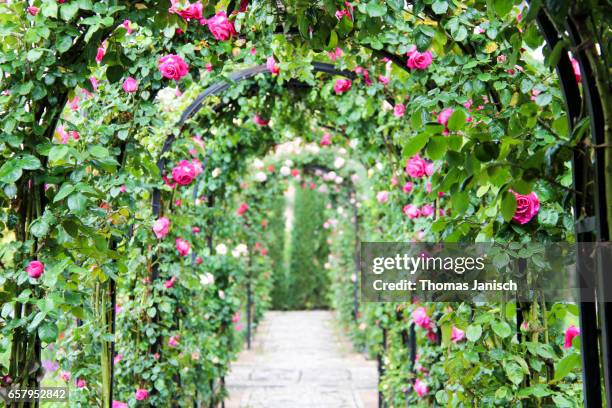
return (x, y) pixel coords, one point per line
(118, 210)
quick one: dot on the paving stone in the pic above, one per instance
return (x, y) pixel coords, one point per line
(301, 360)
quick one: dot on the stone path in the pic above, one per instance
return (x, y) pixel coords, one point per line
(301, 360)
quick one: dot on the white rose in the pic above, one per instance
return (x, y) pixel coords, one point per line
(258, 164)
(354, 143)
(207, 279)
(354, 178)
(261, 176)
(339, 162)
(323, 188)
(221, 249)
(339, 180)
(288, 163)
(216, 172)
(285, 171)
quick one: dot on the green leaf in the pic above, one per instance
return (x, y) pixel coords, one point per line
(68, 10)
(374, 9)
(49, 8)
(40, 316)
(77, 202)
(98, 151)
(34, 54)
(114, 73)
(460, 202)
(514, 372)
(65, 190)
(39, 228)
(473, 332)
(48, 332)
(63, 43)
(457, 120)
(151, 312)
(566, 365)
(10, 171)
(508, 206)
(414, 144)
(502, 7)
(29, 162)
(58, 152)
(439, 6)
(501, 328)
(436, 147)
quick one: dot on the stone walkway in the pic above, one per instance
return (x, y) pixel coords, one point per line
(301, 360)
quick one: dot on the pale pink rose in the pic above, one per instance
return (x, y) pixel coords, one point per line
(272, 66)
(342, 85)
(122, 189)
(259, 121)
(444, 116)
(412, 211)
(130, 85)
(182, 246)
(478, 30)
(101, 53)
(334, 55)
(238, 327)
(399, 110)
(161, 227)
(570, 333)
(172, 66)
(117, 359)
(420, 388)
(468, 104)
(394, 181)
(420, 318)
(198, 140)
(35, 269)
(457, 335)
(416, 167)
(236, 317)
(119, 404)
(417, 60)
(427, 210)
(383, 80)
(576, 68)
(527, 207)
(173, 341)
(141, 394)
(184, 172)
(32, 10)
(502, 58)
(65, 375)
(242, 209)
(94, 83)
(74, 103)
(127, 25)
(220, 27)
(382, 196)
(408, 187)
(197, 166)
(325, 140)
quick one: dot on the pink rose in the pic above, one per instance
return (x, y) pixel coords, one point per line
(184, 172)
(272, 67)
(399, 110)
(325, 140)
(334, 55)
(197, 166)
(170, 282)
(182, 246)
(420, 318)
(35, 269)
(130, 85)
(220, 27)
(527, 206)
(342, 85)
(65, 375)
(236, 317)
(81, 383)
(417, 60)
(127, 25)
(242, 209)
(161, 227)
(195, 230)
(119, 404)
(478, 30)
(141, 394)
(259, 121)
(457, 335)
(32, 10)
(394, 181)
(192, 11)
(199, 260)
(444, 116)
(576, 68)
(408, 187)
(382, 196)
(173, 341)
(501, 58)
(427, 210)
(101, 53)
(383, 80)
(416, 167)
(412, 211)
(420, 388)
(570, 333)
(173, 67)
(117, 359)
(94, 83)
